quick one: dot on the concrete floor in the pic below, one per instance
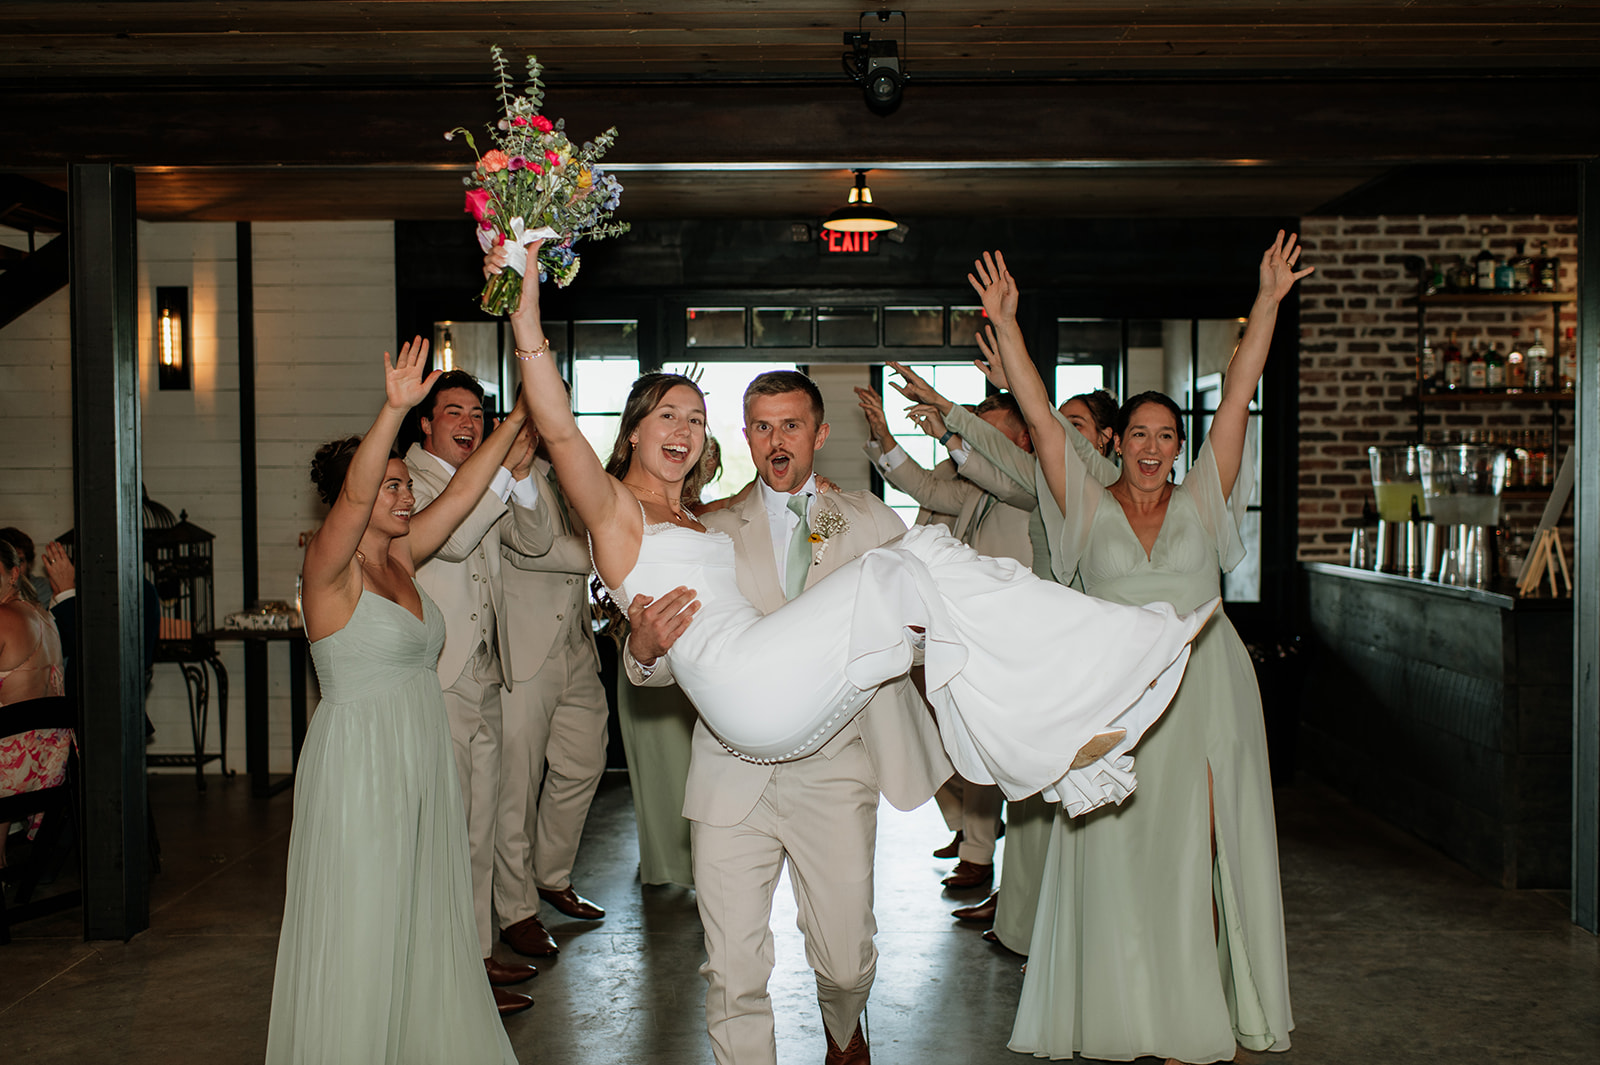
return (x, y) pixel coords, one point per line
(1396, 955)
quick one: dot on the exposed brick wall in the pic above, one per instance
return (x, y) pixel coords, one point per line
(1358, 347)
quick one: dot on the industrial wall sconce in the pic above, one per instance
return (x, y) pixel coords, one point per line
(447, 351)
(877, 65)
(860, 214)
(174, 349)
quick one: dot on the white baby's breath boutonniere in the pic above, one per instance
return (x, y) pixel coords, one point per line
(826, 525)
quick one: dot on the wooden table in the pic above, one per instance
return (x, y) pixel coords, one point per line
(256, 644)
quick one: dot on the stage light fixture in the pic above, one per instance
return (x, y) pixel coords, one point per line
(877, 66)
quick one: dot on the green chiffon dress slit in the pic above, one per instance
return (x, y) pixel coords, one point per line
(1123, 960)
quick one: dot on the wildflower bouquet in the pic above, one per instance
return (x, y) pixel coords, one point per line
(534, 185)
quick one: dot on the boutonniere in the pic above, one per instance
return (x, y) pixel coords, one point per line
(828, 524)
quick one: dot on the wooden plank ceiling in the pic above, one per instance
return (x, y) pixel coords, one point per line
(327, 109)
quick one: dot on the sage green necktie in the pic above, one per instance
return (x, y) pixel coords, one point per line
(799, 548)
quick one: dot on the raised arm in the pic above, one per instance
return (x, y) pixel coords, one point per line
(998, 291)
(433, 524)
(329, 562)
(606, 507)
(1278, 275)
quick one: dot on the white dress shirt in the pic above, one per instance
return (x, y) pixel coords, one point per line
(782, 521)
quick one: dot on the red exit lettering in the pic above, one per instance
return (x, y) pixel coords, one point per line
(836, 241)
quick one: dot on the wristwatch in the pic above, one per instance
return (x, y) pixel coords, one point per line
(945, 439)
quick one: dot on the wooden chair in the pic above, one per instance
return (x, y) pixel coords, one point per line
(58, 804)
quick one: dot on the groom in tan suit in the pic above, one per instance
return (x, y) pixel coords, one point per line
(818, 813)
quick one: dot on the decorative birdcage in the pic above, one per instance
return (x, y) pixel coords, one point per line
(178, 562)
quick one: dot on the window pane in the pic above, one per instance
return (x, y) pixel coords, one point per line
(715, 327)
(617, 339)
(601, 432)
(1073, 380)
(913, 327)
(472, 347)
(780, 327)
(724, 384)
(965, 324)
(1243, 585)
(847, 327)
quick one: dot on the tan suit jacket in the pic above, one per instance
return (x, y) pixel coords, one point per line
(989, 526)
(896, 730)
(547, 595)
(926, 515)
(463, 576)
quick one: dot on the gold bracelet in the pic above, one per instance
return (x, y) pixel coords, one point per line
(529, 354)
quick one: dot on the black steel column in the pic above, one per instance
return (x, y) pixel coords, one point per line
(1586, 548)
(256, 735)
(110, 551)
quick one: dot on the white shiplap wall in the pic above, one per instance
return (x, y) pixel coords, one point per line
(324, 314)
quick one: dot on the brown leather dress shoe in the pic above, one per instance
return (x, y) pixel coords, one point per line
(501, 974)
(969, 875)
(509, 1002)
(530, 937)
(982, 913)
(855, 1052)
(951, 849)
(572, 904)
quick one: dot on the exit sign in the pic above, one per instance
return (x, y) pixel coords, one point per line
(838, 242)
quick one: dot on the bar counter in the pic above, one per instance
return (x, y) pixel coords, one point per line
(1448, 712)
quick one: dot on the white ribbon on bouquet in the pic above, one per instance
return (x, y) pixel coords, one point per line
(517, 243)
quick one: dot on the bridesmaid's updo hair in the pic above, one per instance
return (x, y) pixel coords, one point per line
(330, 464)
(1130, 408)
(647, 393)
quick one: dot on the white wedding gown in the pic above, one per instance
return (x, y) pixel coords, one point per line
(1021, 672)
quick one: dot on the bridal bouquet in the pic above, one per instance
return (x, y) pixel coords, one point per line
(535, 185)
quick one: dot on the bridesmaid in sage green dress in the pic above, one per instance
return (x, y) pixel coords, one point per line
(1160, 923)
(378, 959)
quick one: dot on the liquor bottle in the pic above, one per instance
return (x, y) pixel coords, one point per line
(1460, 276)
(1452, 366)
(1538, 362)
(1546, 275)
(1522, 269)
(1568, 363)
(1516, 366)
(1428, 369)
(1505, 277)
(1437, 282)
(1483, 278)
(1494, 369)
(1477, 368)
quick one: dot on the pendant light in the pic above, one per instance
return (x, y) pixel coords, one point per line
(859, 214)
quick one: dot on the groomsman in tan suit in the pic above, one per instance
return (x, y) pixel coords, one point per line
(992, 527)
(553, 714)
(463, 578)
(818, 813)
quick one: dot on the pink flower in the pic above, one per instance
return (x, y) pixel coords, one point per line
(519, 121)
(542, 124)
(493, 159)
(518, 162)
(478, 205)
(552, 157)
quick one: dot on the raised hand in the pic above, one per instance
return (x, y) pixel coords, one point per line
(927, 418)
(871, 405)
(403, 382)
(916, 389)
(995, 287)
(1278, 274)
(990, 365)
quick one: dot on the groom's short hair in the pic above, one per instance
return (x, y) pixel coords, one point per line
(779, 382)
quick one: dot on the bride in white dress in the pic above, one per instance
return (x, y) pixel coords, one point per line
(1035, 687)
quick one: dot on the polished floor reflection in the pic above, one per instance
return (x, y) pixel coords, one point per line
(1397, 955)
